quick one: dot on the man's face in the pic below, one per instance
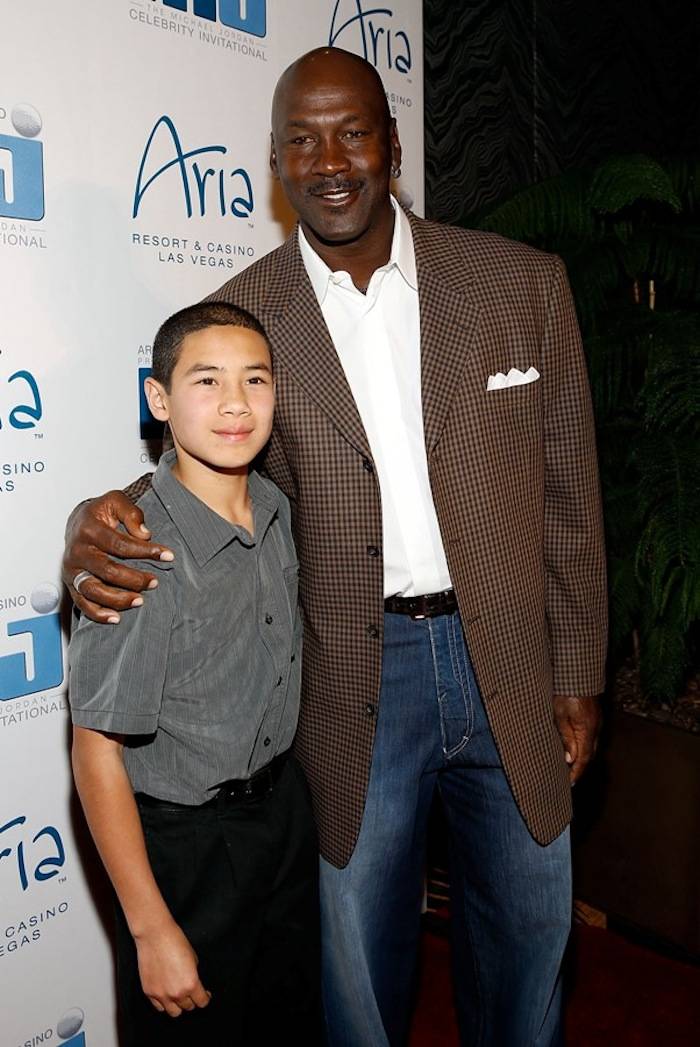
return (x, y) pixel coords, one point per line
(221, 398)
(333, 148)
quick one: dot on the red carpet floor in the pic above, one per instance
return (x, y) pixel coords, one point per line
(619, 995)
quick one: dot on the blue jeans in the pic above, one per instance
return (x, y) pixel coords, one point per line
(511, 897)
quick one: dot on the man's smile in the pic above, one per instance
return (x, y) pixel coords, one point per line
(338, 193)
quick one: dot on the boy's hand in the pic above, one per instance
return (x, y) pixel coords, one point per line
(168, 969)
(91, 539)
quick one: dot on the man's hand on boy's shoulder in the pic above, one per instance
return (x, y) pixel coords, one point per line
(93, 537)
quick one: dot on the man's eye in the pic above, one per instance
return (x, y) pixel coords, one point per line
(206, 381)
(257, 380)
(301, 140)
(355, 133)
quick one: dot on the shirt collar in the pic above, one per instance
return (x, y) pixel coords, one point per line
(205, 532)
(402, 256)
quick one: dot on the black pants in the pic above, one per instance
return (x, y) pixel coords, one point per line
(241, 880)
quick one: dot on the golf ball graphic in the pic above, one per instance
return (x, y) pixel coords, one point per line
(45, 598)
(70, 1023)
(26, 120)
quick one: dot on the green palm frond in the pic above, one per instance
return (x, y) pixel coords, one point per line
(663, 661)
(668, 551)
(622, 181)
(546, 212)
(670, 398)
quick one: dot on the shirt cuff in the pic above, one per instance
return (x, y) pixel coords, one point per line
(115, 722)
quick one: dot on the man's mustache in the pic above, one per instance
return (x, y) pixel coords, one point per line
(333, 185)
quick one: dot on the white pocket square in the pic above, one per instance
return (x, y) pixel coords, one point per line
(514, 377)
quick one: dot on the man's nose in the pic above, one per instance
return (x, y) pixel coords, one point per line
(330, 157)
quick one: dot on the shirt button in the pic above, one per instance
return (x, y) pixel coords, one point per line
(372, 550)
(279, 681)
(266, 742)
(367, 465)
(370, 709)
(293, 658)
(372, 631)
(268, 619)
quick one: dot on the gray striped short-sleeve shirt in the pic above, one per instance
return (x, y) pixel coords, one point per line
(204, 679)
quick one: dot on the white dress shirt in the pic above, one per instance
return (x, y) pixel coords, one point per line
(377, 338)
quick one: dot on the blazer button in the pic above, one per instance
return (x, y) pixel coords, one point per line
(370, 709)
(372, 631)
(372, 551)
(367, 465)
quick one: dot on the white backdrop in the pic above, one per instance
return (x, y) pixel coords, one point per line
(133, 180)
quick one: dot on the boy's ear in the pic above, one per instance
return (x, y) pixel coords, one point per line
(157, 399)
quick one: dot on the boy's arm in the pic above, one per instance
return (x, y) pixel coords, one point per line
(93, 537)
(167, 961)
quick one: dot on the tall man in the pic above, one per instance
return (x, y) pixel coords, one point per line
(434, 435)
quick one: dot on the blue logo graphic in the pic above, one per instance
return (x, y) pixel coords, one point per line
(249, 16)
(201, 184)
(370, 33)
(40, 666)
(47, 858)
(25, 415)
(22, 167)
(151, 428)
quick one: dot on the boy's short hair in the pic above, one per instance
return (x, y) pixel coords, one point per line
(171, 334)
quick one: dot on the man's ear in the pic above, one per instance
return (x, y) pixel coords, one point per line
(395, 145)
(273, 157)
(157, 399)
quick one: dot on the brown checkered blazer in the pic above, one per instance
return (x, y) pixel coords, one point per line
(514, 478)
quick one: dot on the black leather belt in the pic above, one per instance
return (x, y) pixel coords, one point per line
(428, 606)
(259, 784)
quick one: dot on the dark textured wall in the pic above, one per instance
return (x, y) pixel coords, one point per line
(518, 91)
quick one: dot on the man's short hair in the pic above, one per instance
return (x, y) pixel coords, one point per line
(167, 344)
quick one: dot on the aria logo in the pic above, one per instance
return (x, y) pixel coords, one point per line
(22, 167)
(370, 32)
(26, 409)
(219, 188)
(38, 666)
(248, 16)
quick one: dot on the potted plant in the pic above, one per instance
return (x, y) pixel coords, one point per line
(628, 231)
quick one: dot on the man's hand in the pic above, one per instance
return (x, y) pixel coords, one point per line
(578, 722)
(168, 970)
(91, 539)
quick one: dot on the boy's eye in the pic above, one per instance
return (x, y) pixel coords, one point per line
(206, 381)
(257, 380)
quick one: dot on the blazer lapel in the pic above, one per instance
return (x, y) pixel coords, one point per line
(448, 322)
(303, 343)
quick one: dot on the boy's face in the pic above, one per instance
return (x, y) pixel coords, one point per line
(221, 399)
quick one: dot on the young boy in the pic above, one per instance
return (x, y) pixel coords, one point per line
(184, 714)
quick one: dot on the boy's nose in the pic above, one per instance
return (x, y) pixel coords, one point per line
(234, 403)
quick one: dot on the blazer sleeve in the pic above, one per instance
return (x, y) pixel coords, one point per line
(574, 548)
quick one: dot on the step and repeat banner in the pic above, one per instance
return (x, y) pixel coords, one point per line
(134, 139)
